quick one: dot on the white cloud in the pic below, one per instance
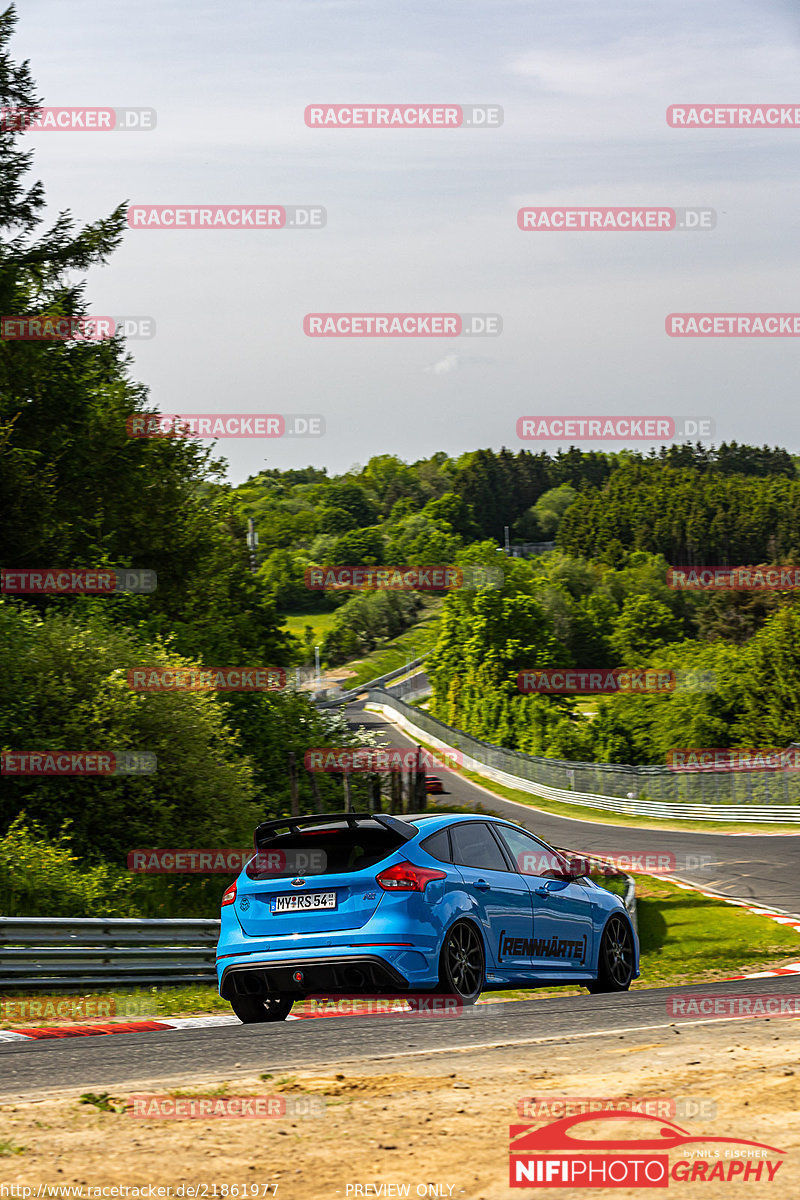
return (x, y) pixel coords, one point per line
(445, 366)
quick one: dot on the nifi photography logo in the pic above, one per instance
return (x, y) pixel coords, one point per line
(561, 1154)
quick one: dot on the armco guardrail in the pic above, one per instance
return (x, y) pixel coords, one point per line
(353, 693)
(52, 952)
(66, 952)
(413, 687)
(762, 796)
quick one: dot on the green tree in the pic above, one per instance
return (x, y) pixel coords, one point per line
(360, 547)
(541, 522)
(643, 626)
(63, 686)
(77, 490)
(770, 696)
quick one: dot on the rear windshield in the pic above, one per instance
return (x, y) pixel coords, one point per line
(330, 850)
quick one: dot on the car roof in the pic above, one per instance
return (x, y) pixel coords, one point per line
(429, 822)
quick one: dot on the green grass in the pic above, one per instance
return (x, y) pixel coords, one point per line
(417, 640)
(686, 936)
(176, 1001)
(599, 815)
(104, 1101)
(7, 1148)
(127, 1004)
(320, 622)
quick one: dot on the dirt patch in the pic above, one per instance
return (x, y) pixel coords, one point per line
(434, 1121)
(360, 1085)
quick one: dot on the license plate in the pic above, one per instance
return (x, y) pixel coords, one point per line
(305, 902)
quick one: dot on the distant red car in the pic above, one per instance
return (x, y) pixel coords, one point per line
(433, 785)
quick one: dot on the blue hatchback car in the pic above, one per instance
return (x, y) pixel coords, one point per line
(436, 902)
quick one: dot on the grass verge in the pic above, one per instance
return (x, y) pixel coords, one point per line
(558, 808)
(417, 640)
(320, 623)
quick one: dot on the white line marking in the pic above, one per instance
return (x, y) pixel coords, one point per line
(560, 1037)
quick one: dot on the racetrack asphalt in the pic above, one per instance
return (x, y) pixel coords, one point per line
(232, 1052)
(761, 868)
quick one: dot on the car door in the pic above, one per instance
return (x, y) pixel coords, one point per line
(501, 897)
(562, 906)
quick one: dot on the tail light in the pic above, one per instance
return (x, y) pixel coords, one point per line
(406, 877)
(229, 895)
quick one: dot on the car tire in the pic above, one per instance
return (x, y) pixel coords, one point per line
(462, 963)
(252, 1010)
(615, 960)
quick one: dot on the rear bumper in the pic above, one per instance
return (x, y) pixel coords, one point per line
(331, 975)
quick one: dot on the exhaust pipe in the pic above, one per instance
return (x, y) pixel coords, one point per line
(355, 977)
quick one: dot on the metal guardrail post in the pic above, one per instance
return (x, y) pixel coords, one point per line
(629, 900)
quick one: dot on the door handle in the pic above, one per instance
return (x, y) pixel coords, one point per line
(482, 885)
(546, 890)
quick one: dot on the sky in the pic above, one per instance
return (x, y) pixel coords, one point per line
(425, 220)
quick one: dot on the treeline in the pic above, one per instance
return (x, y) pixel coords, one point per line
(77, 492)
(474, 496)
(684, 502)
(560, 611)
(690, 515)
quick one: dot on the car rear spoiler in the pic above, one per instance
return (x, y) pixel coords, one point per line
(267, 829)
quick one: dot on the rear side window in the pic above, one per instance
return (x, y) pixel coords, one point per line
(334, 849)
(532, 856)
(438, 846)
(474, 846)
